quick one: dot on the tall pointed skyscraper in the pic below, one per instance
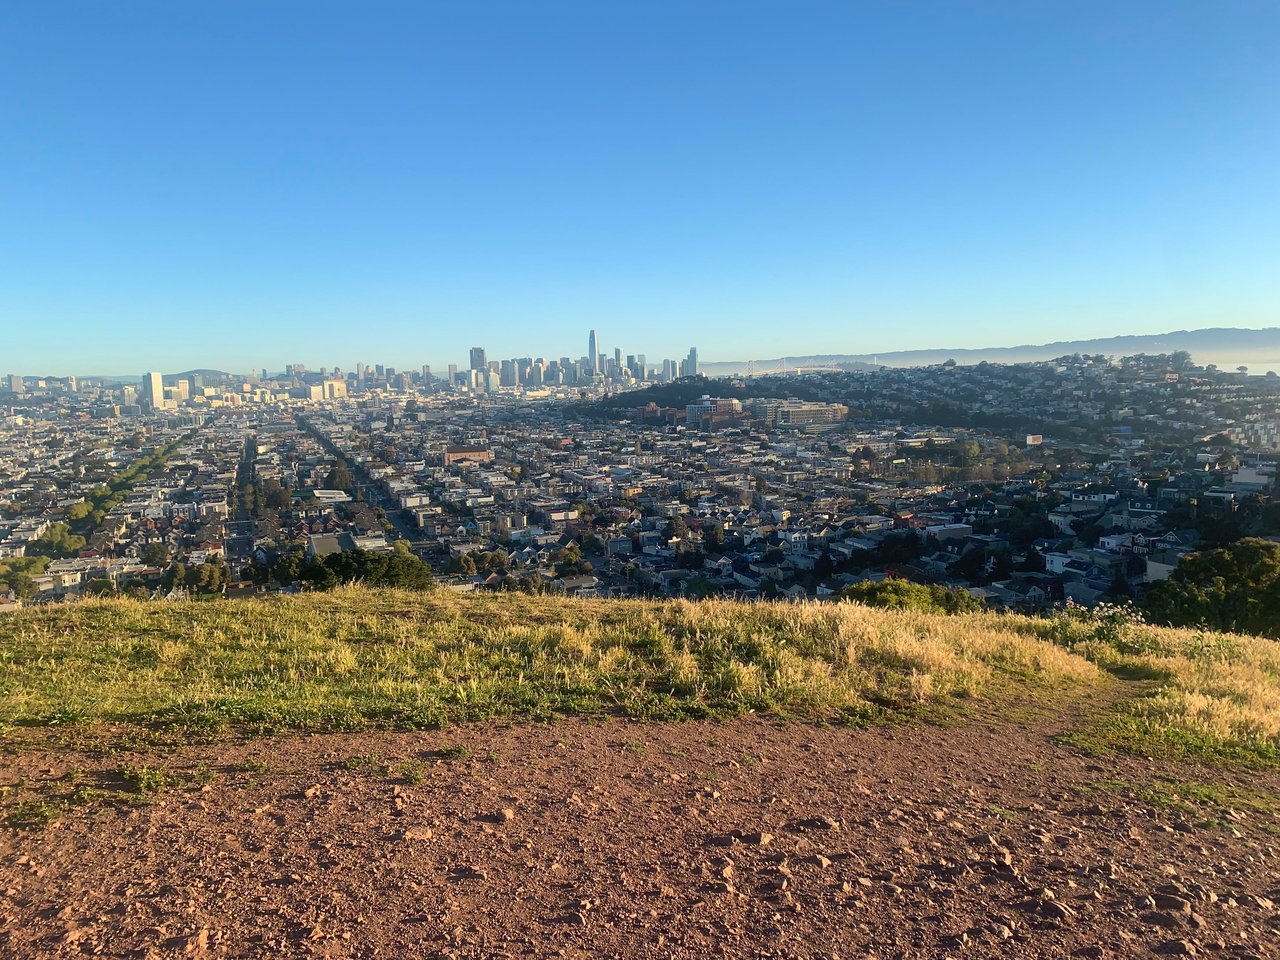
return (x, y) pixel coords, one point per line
(593, 351)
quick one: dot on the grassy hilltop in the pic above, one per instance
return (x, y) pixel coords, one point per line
(358, 658)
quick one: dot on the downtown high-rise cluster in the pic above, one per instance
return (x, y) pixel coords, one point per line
(596, 367)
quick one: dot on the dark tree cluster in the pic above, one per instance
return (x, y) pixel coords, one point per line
(400, 568)
(1234, 588)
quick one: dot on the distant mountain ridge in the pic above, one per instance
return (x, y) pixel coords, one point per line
(169, 378)
(1228, 347)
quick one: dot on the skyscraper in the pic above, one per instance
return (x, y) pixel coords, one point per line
(153, 390)
(478, 359)
(593, 351)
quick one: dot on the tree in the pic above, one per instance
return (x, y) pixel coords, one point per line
(213, 576)
(1119, 589)
(316, 574)
(1236, 588)
(22, 584)
(155, 555)
(78, 511)
(972, 565)
(57, 541)
(689, 557)
(339, 478)
(904, 595)
(698, 588)
(275, 496)
(824, 566)
(493, 560)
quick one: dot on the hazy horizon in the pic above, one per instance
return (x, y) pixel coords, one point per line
(1225, 359)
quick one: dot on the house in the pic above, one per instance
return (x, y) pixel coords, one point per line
(1185, 538)
(619, 545)
(949, 531)
(325, 545)
(719, 566)
(1021, 595)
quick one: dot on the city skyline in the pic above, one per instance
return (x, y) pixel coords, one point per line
(1225, 347)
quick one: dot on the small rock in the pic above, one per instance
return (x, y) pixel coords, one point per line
(817, 823)
(1168, 901)
(1053, 910)
(1177, 948)
(198, 942)
(957, 941)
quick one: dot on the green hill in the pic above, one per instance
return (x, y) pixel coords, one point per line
(358, 658)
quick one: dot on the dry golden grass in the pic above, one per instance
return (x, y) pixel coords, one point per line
(1207, 693)
(359, 656)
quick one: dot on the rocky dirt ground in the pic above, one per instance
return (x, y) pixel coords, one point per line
(749, 838)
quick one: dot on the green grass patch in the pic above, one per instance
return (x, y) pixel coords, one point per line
(147, 780)
(371, 763)
(409, 771)
(32, 813)
(1126, 730)
(357, 659)
(1217, 804)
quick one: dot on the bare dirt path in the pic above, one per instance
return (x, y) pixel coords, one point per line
(747, 838)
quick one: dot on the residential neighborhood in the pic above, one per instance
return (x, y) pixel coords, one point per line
(1027, 485)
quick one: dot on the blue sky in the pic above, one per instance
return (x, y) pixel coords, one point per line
(239, 185)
